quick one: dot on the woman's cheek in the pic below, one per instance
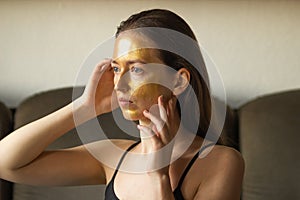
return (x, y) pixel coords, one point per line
(147, 95)
(144, 97)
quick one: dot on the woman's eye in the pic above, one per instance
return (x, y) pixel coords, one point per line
(136, 70)
(116, 69)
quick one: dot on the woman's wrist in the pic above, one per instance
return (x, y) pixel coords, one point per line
(83, 112)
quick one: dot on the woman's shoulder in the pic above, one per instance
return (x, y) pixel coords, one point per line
(222, 170)
(223, 162)
(224, 156)
(226, 152)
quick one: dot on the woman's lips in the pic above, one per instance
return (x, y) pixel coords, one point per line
(125, 102)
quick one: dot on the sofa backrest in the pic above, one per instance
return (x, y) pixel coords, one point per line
(269, 142)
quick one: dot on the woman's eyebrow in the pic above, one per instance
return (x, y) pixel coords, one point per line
(130, 62)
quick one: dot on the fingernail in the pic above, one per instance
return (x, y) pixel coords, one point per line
(103, 68)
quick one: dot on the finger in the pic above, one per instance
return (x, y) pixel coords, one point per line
(171, 107)
(148, 133)
(159, 128)
(155, 130)
(99, 69)
(162, 110)
(96, 75)
(154, 119)
(105, 65)
(145, 130)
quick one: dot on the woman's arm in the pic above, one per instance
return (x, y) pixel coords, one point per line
(23, 159)
(22, 153)
(26, 143)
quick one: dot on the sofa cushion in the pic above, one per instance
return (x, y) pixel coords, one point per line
(269, 142)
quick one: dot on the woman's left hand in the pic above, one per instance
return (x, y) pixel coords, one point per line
(164, 125)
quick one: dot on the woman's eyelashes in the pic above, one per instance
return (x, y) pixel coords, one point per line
(134, 70)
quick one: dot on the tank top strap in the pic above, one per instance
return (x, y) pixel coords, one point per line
(187, 169)
(123, 156)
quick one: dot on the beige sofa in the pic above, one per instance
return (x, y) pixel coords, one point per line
(265, 130)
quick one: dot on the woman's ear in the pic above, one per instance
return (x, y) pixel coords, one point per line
(182, 81)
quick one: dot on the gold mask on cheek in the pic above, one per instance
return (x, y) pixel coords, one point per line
(146, 96)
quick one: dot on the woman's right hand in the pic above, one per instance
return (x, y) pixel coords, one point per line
(98, 95)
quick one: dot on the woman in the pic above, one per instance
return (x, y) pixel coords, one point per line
(137, 75)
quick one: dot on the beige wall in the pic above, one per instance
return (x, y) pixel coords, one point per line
(255, 44)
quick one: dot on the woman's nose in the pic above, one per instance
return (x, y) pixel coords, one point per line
(122, 82)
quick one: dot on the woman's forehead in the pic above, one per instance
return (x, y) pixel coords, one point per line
(133, 48)
(139, 55)
(127, 42)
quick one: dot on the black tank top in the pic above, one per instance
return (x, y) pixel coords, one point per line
(110, 192)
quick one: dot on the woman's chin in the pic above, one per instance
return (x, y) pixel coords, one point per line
(136, 116)
(132, 115)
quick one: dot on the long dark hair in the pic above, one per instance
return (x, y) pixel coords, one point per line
(199, 82)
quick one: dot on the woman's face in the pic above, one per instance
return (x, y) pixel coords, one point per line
(140, 76)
